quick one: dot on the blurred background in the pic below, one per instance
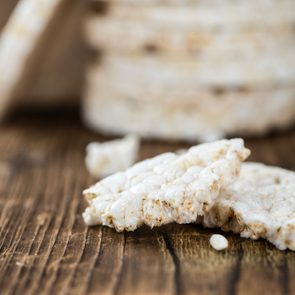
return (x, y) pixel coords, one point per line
(174, 70)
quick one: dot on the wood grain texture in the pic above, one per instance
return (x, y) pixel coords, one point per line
(45, 248)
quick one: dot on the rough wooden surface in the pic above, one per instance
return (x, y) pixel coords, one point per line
(45, 248)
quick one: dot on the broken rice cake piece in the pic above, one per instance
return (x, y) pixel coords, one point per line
(103, 159)
(260, 204)
(167, 188)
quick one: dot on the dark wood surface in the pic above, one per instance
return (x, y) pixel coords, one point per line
(45, 248)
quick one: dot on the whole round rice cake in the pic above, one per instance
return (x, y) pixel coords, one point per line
(260, 204)
(188, 113)
(168, 188)
(185, 2)
(57, 68)
(167, 73)
(157, 38)
(232, 16)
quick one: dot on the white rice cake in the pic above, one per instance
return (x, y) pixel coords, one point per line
(19, 41)
(57, 70)
(185, 70)
(213, 113)
(167, 188)
(234, 16)
(103, 159)
(159, 39)
(205, 3)
(260, 204)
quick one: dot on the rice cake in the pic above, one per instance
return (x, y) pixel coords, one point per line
(105, 158)
(192, 113)
(232, 17)
(205, 3)
(57, 76)
(157, 38)
(22, 48)
(167, 188)
(260, 204)
(166, 72)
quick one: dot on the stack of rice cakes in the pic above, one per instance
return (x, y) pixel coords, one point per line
(190, 70)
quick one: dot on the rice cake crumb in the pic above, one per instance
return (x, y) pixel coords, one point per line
(218, 242)
(106, 158)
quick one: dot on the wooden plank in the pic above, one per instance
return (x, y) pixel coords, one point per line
(201, 270)
(45, 248)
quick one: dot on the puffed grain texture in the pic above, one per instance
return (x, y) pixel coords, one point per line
(260, 204)
(167, 188)
(202, 114)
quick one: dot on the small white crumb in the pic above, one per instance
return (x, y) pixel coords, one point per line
(106, 158)
(218, 242)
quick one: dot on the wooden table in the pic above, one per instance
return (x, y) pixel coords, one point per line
(45, 248)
